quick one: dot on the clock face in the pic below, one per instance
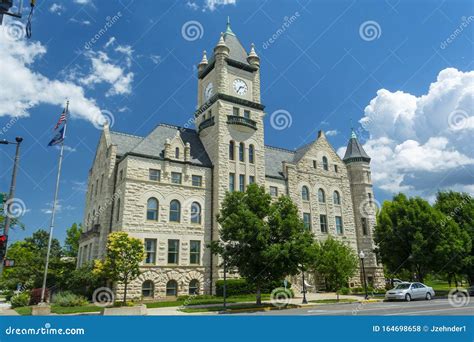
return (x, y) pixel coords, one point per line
(208, 91)
(240, 87)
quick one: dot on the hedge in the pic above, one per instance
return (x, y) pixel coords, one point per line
(241, 286)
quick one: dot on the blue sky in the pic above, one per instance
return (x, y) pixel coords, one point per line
(400, 71)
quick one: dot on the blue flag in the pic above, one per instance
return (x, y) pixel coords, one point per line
(58, 138)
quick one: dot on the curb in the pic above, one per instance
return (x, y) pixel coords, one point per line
(266, 308)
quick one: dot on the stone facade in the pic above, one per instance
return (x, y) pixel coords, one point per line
(167, 187)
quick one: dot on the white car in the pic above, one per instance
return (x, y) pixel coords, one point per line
(410, 291)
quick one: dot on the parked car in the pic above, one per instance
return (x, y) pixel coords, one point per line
(409, 291)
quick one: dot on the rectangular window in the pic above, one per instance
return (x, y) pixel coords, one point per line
(323, 223)
(273, 191)
(195, 252)
(247, 114)
(197, 180)
(307, 220)
(369, 195)
(364, 225)
(335, 169)
(235, 111)
(251, 179)
(368, 176)
(339, 228)
(173, 251)
(242, 183)
(231, 182)
(150, 250)
(121, 174)
(89, 255)
(176, 177)
(314, 164)
(154, 175)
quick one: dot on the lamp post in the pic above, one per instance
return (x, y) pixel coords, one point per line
(304, 289)
(11, 195)
(225, 284)
(362, 257)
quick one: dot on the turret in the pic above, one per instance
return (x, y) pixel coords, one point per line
(203, 64)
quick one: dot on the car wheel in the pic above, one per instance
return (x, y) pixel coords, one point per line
(428, 296)
(407, 297)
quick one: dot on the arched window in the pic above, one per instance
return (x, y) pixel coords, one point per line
(196, 213)
(148, 288)
(176, 152)
(251, 154)
(152, 209)
(321, 196)
(172, 288)
(194, 287)
(325, 164)
(117, 217)
(241, 152)
(336, 197)
(305, 193)
(175, 211)
(231, 150)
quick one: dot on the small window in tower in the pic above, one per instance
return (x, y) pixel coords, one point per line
(314, 164)
(241, 152)
(247, 114)
(176, 153)
(231, 150)
(335, 169)
(325, 163)
(368, 176)
(235, 111)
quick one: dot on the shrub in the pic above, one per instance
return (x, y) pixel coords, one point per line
(236, 287)
(358, 290)
(185, 297)
(8, 294)
(20, 299)
(35, 296)
(68, 298)
(344, 290)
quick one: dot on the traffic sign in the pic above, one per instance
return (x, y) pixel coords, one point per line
(9, 262)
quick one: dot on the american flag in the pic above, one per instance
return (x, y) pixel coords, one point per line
(62, 119)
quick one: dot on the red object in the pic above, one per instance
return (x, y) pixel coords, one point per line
(3, 238)
(62, 118)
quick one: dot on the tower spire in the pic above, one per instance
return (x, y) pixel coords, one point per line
(228, 30)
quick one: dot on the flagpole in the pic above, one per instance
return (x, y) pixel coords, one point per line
(53, 212)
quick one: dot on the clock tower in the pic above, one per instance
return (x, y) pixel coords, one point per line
(229, 119)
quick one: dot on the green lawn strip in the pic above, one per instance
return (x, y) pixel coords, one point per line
(237, 307)
(206, 301)
(333, 301)
(23, 310)
(63, 310)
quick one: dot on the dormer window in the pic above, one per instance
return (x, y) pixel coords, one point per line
(176, 153)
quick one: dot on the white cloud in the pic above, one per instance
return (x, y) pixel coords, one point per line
(83, 2)
(103, 70)
(56, 8)
(82, 22)
(59, 208)
(421, 143)
(156, 59)
(332, 132)
(23, 88)
(212, 5)
(109, 42)
(192, 5)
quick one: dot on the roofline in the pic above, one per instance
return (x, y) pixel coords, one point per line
(279, 149)
(140, 155)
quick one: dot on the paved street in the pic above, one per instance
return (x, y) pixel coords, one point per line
(428, 308)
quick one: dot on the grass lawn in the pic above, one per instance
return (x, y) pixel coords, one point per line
(440, 285)
(204, 301)
(236, 308)
(61, 310)
(332, 301)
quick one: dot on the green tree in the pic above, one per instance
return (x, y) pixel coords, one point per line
(71, 243)
(264, 241)
(411, 235)
(14, 222)
(336, 262)
(459, 207)
(122, 259)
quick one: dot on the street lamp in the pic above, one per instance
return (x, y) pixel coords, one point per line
(225, 284)
(362, 257)
(11, 195)
(304, 288)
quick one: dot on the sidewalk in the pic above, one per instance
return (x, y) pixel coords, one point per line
(5, 310)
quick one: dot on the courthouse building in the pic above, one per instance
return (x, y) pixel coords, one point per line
(166, 188)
